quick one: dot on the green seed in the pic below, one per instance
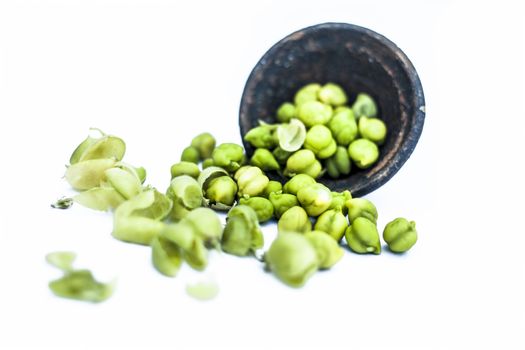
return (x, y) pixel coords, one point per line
(286, 112)
(319, 140)
(295, 219)
(186, 195)
(204, 143)
(364, 105)
(364, 153)
(190, 154)
(264, 159)
(339, 163)
(262, 137)
(185, 168)
(206, 163)
(251, 181)
(220, 193)
(327, 249)
(282, 202)
(333, 222)
(303, 162)
(332, 94)
(185, 237)
(262, 207)
(373, 129)
(272, 187)
(400, 235)
(362, 236)
(297, 182)
(126, 183)
(361, 207)
(103, 147)
(242, 234)
(307, 93)
(343, 126)
(339, 200)
(314, 113)
(281, 155)
(229, 156)
(315, 198)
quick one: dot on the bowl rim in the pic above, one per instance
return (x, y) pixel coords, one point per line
(418, 118)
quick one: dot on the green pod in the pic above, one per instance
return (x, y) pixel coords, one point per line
(251, 181)
(295, 219)
(242, 234)
(262, 207)
(186, 195)
(303, 162)
(343, 126)
(333, 222)
(141, 173)
(204, 143)
(332, 94)
(281, 155)
(261, 137)
(362, 236)
(185, 168)
(327, 249)
(339, 163)
(319, 140)
(297, 182)
(339, 200)
(190, 154)
(315, 198)
(400, 235)
(81, 285)
(184, 236)
(103, 147)
(228, 156)
(272, 187)
(207, 225)
(282, 202)
(221, 192)
(285, 112)
(126, 183)
(307, 93)
(361, 207)
(165, 256)
(364, 153)
(292, 258)
(264, 159)
(364, 105)
(314, 113)
(100, 198)
(291, 136)
(373, 129)
(88, 174)
(82, 147)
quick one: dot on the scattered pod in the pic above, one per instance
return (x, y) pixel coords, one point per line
(204, 143)
(400, 235)
(333, 222)
(295, 219)
(362, 236)
(125, 182)
(328, 250)
(166, 256)
(242, 234)
(339, 163)
(185, 237)
(361, 207)
(207, 225)
(186, 195)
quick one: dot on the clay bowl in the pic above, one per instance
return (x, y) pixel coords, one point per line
(358, 59)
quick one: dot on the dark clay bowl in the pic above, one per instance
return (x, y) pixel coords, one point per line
(359, 60)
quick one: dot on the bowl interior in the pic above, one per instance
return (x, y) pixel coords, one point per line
(359, 60)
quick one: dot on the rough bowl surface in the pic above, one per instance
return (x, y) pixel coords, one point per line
(358, 59)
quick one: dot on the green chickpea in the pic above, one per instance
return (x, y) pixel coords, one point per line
(285, 112)
(229, 156)
(186, 195)
(373, 129)
(364, 105)
(303, 162)
(264, 159)
(206, 224)
(281, 155)
(314, 113)
(190, 154)
(242, 233)
(361, 207)
(400, 235)
(297, 182)
(206, 163)
(262, 207)
(282, 202)
(262, 136)
(327, 249)
(221, 192)
(251, 181)
(343, 126)
(319, 140)
(307, 93)
(272, 187)
(362, 236)
(295, 219)
(364, 153)
(292, 258)
(185, 168)
(315, 198)
(332, 94)
(204, 143)
(166, 256)
(333, 222)
(339, 200)
(339, 163)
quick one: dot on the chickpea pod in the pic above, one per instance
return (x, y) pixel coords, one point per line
(315, 198)
(332, 94)
(204, 143)
(295, 219)
(314, 113)
(185, 168)
(333, 222)
(339, 163)
(364, 153)
(165, 256)
(206, 225)
(327, 249)
(303, 162)
(400, 235)
(101, 147)
(282, 202)
(242, 234)
(251, 181)
(319, 140)
(88, 173)
(362, 236)
(364, 105)
(285, 112)
(186, 195)
(262, 207)
(124, 182)
(373, 129)
(264, 159)
(361, 207)
(191, 245)
(229, 156)
(297, 182)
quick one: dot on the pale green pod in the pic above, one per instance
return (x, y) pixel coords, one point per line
(262, 207)
(81, 285)
(207, 225)
(184, 236)
(315, 198)
(251, 181)
(186, 195)
(261, 136)
(307, 93)
(281, 155)
(319, 140)
(190, 154)
(364, 153)
(141, 173)
(282, 202)
(400, 235)
(272, 187)
(361, 207)
(82, 147)
(153, 205)
(138, 172)
(373, 129)
(105, 147)
(295, 219)
(333, 222)
(185, 168)
(166, 256)
(338, 164)
(229, 156)
(204, 143)
(203, 291)
(285, 112)
(292, 258)
(100, 198)
(221, 193)
(126, 183)
(61, 260)
(314, 113)
(332, 94)
(364, 105)
(242, 233)
(291, 135)
(343, 126)
(88, 174)
(297, 182)
(328, 250)
(339, 200)
(264, 159)
(303, 162)
(362, 236)
(209, 174)
(136, 229)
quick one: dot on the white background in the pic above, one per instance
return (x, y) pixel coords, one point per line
(158, 72)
